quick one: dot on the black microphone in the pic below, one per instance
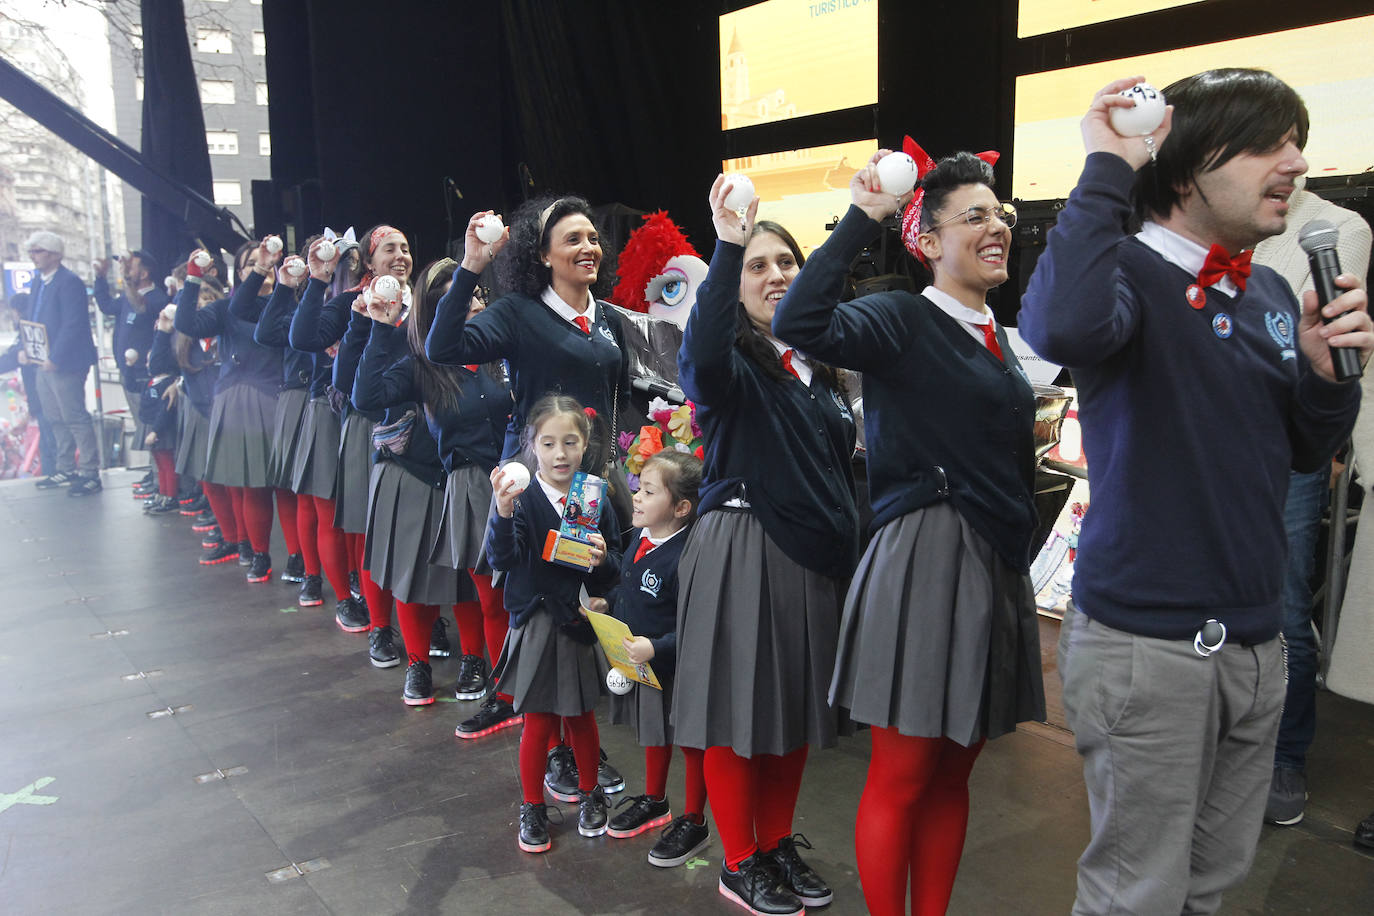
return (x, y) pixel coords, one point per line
(1318, 238)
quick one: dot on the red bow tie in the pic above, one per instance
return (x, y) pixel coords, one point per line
(1219, 264)
(645, 545)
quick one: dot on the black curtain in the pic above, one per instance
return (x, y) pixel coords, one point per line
(173, 124)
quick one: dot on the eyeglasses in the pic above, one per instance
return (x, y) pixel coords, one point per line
(980, 217)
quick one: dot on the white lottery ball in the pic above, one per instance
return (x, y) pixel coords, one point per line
(130, 356)
(326, 250)
(617, 683)
(741, 193)
(295, 266)
(1147, 114)
(517, 475)
(490, 229)
(896, 174)
(170, 311)
(388, 287)
(273, 244)
(202, 259)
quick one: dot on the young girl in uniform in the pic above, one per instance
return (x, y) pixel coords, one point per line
(550, 665)
(646, 600)
(173, 351)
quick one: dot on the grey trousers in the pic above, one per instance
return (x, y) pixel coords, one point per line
(1178, 752)
(63, 396)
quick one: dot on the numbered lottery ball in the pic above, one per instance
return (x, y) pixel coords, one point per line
(387, 287)
(617, 683)
(517, 476)
(490, 229)
(273, 244)
(202, 259)
(741, 193)
(896, 174)
(1147, 114)
(326, 250)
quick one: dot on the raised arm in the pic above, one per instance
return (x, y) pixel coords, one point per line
(273, 327)
(386, 372)
(244, 304)
(452, 339)
(104, 299)
(194, 321)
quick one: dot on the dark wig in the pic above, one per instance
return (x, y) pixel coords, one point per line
(1218, 115)
(520, 264)
(950, 174)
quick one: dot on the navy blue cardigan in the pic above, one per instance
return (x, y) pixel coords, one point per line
(198, 385)
(243, 361)
(943, 417)
(782, 446)
(385, 381)
(646, 596)
(272, 323)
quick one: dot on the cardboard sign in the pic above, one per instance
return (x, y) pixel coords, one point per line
(35, 337)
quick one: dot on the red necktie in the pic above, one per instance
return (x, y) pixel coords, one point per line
(1219, 264)
(990, 339)
(787, 363)
(583, 323)
(472, 368)
(645, 545)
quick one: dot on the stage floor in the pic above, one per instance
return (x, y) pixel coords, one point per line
(109, 620)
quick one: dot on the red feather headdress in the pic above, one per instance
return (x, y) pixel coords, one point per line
(646, 251)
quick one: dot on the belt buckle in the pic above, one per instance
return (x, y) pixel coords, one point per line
(1210, 638)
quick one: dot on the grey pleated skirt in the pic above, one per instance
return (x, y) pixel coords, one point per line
(939, 636)
(647, 710)
(238, 449)
(286, 427)
(463, 528)
(546, 670)
(317, 451)
(403, 515)
(353, 473)
(756, 639)
(193, 431)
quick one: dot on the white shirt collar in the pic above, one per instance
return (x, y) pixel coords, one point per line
(800, 364)
(970, 320)
(552, 493)
(1182, 252)
(659, 542)
(567, 312)
(49, 275)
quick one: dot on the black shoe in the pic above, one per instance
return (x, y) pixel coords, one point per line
(560, 774)
(1287, 797)
(246, 553)
(591, 812)
(53, 481)
(493, 715)
(144, 488)
(472, 677)
(419, 689)
(162, 505)
(193, 506)
(381, 647)
(1364, 833)
(534, 826)
(211, 538)
(84, 486)
(608, 777)
(351, 616)
(645, 813)
(355, 587)
(679, 841)
(222, 553)
(439, 646)
(205, 521)
(758, 887)
(261, 570)
(312, 592)
(295, 568)
(799, 877)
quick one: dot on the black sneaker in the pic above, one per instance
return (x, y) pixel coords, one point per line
(261, 570)
(193, 506)
(534, 826)
(439, 646)
(493, 715)
(162, 505)
(679, 841)
(295, 568)
(799, 877)
(758, 887)
(144, 489)
(53, 481)
(211, 537)
(645, 813)
(419, 689)
(84, 486)
(472, 677)
(351, 616)
(608, 777)
(1287, 797)
(560, 774)
(312, 592)
(381, 647)
(205, 521)
(246, 553)
(591, 812)
(355, 587)
(221, 553)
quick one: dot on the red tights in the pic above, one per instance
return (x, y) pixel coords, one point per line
(286, 515)
(911, 823)
(656, 762)
(333, 552)
(253, 507)
(355, 545)
(495, 620)
(379, 601)
(753, 799)
(222, 504)
(307, 525)
(538, 731)
(417, 620)
(166, 461)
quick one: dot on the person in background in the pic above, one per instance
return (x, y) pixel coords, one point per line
(20, 303)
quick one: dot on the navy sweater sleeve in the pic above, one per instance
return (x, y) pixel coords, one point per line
(273, 323)
(317, 324)
(161, 358)
(454, 341)
(351, 351)
(706, 362)
(198, 322)
(385, 377)
(244, 303)
(104, 300)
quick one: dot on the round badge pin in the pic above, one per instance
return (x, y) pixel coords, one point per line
(1221, 325)
(1195, 296)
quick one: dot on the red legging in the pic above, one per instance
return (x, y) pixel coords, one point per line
(333, 552)
(166, 461)
(253, 506)
(539, 729)
(416, 620)
(356, 546)
(468, 616)
(911, 822)
(379, 601)
(656, 762)
(306, 534)
(753, 799)
(495, 620)
(222, 505)
(286, 515)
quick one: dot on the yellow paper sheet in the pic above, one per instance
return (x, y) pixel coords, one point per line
(612, 633)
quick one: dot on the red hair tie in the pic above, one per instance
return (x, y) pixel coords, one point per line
(911, 220)
(590, 411)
